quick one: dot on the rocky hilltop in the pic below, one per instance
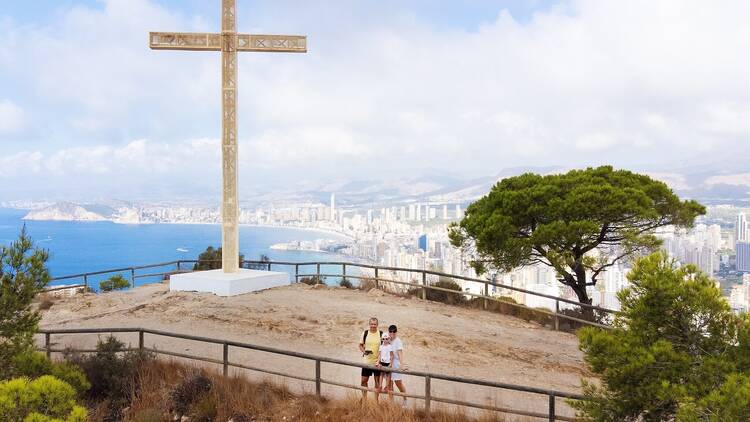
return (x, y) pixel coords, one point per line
(67, 211)
(64, 211)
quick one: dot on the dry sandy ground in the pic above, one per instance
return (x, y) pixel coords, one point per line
(328, 322)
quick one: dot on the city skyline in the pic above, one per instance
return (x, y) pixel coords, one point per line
(391, 91)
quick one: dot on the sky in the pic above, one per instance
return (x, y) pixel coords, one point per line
(388, 90)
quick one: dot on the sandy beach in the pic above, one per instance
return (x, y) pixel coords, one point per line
(329, 321)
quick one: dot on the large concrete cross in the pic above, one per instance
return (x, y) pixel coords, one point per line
(229, 42)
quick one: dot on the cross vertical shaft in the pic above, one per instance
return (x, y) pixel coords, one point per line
(229, 201)
(229, 42)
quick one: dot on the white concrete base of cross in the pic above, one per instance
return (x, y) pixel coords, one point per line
(227, 284)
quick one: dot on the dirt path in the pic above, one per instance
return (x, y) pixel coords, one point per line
(328, 321)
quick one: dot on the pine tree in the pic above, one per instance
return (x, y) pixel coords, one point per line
(23, 274)
(677, 351)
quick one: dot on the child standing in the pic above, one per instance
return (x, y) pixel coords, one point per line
(385, 357)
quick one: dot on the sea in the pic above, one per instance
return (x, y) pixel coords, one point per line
(77, 247)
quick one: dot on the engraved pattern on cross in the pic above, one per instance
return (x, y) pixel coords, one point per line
(229, 42)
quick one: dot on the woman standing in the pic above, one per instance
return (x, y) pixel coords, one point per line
(398, 362)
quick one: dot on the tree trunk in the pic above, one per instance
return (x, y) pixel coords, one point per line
(579, 287)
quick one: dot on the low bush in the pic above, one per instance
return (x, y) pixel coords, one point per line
(443, 296)
(188, 392)
(112, 372)
(368, 284)
(46, 301)
(35, 364)
(45, 399)
(116, 282)
(346, 283)
(311, 281)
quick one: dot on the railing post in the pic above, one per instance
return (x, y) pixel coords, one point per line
(178, 265)
(424, 285)
(377, 281)
(225, 359)
(296, 273)
(132, 277)
(486, 293)
(427, 397)
(557, 311)
(343, 271)
(317, 272)
(140, 339)
(46, 345)
(317, 378)
(86, 281)
(269, 266)
(551, 408)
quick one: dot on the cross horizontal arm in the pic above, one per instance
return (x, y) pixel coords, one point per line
(198, 41)
(278, 43)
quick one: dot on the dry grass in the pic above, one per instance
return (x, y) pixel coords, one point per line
(240, 400)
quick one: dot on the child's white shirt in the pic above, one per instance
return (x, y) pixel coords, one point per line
(385, 353)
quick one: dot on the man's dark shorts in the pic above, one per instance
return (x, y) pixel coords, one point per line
(366, 372)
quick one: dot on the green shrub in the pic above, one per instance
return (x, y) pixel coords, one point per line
(346, 283)
(35, 364)
(43, 399)
(443, 296)
(112, 372)
(116, 282)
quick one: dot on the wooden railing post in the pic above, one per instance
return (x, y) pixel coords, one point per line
(557, 319)
(551, 408)
(343, 271)
(140, 339)
(317, 272)
(424, 285)
(427, 397)
(486, 293)
(46, 345)
(317, 378)
(86, 281)
(225, 359)
(296, 273)
(132, 277)
(178, 265)
(377, 281)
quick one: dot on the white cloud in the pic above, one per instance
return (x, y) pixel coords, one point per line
(595, 142)
(577, 85)
(741, 179)
(12, 117)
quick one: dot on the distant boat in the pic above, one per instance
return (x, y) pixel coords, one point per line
(182, 250)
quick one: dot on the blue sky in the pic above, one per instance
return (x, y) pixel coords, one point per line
(388, 90)
(463, 14)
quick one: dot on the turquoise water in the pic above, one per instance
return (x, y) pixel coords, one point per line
(78, 247)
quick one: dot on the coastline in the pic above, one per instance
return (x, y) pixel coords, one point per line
(275, 226)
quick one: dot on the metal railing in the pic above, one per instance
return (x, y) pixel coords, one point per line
(556, 316)
(428, 398)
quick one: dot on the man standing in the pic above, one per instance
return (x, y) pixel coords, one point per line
(398, 360)
(369, 346)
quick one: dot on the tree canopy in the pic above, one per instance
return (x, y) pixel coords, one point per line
(210, 259)
(677, 351)
(580, 223)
